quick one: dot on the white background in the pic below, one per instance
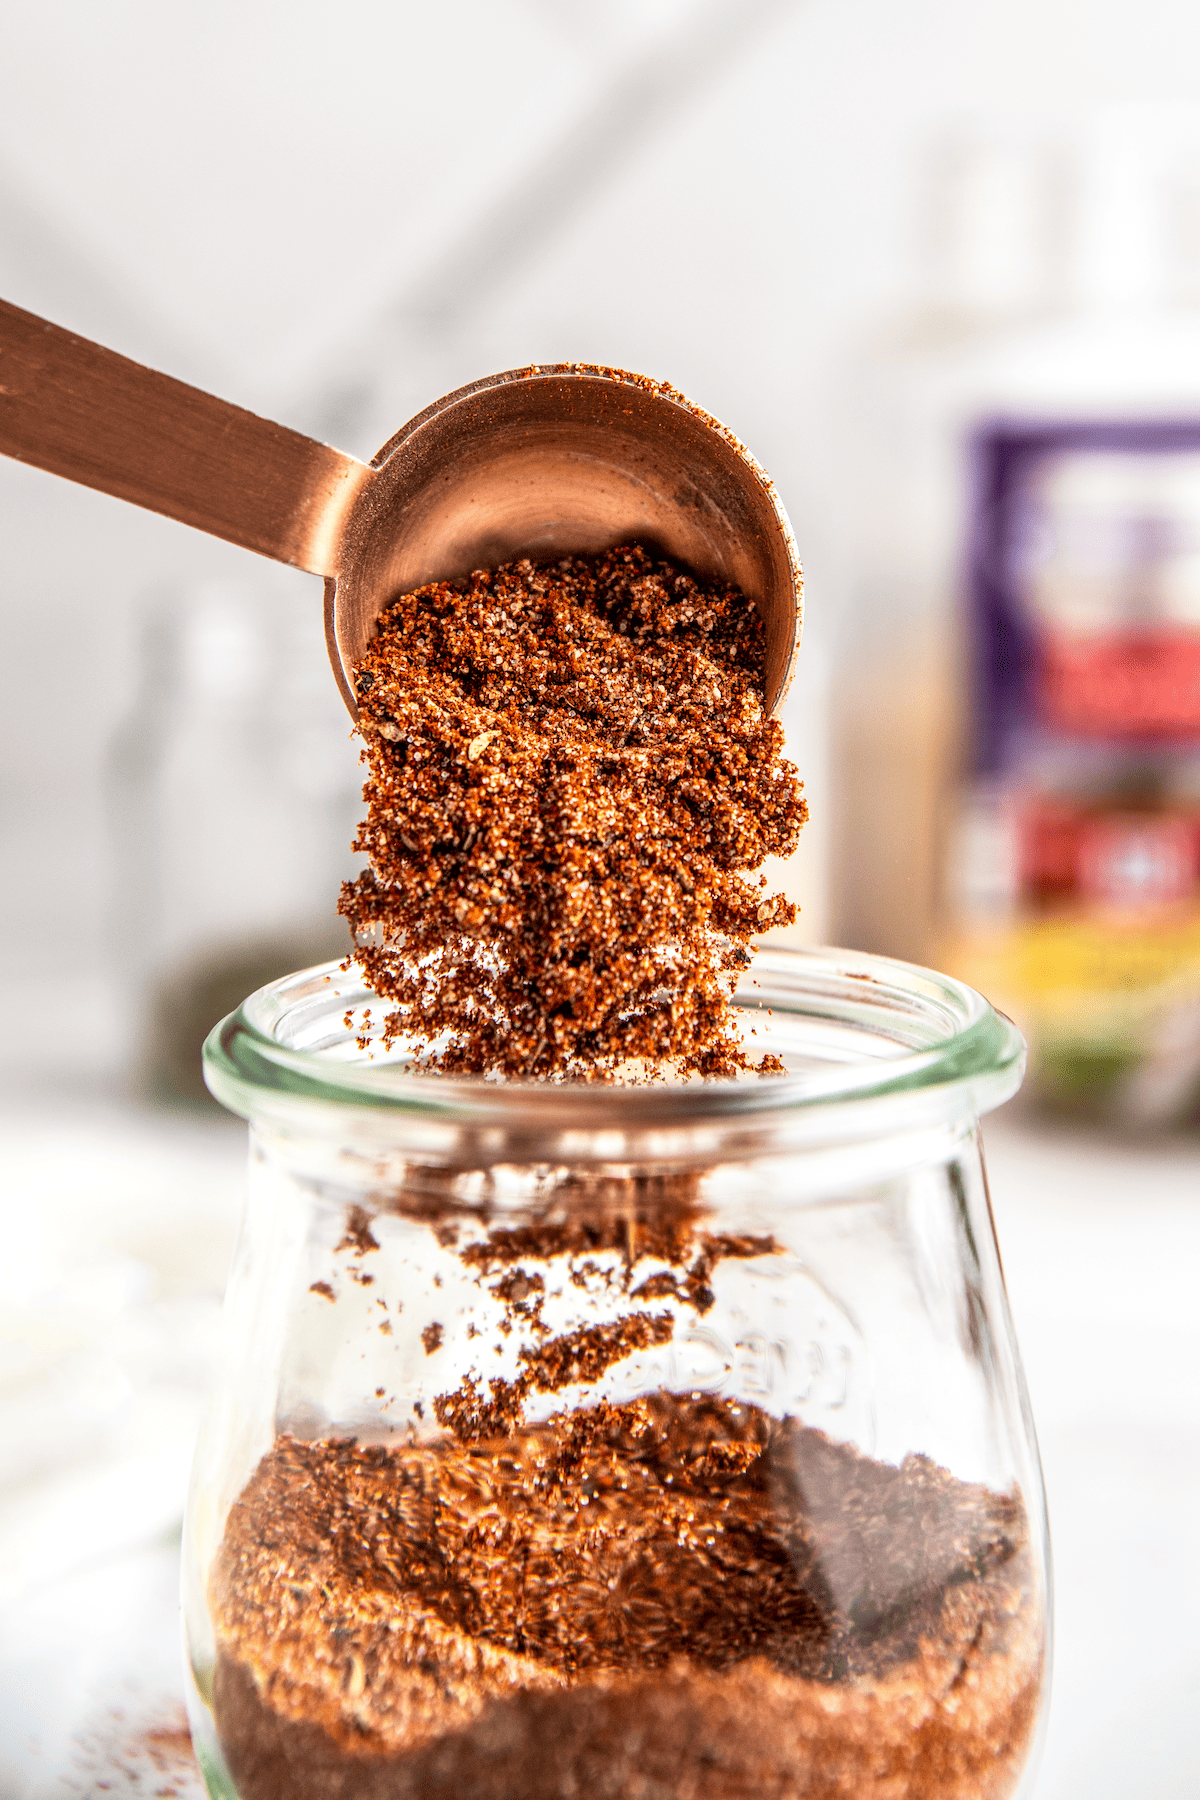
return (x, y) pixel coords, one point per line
(334, 213)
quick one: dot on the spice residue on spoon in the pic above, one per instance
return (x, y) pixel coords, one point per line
(571, 778)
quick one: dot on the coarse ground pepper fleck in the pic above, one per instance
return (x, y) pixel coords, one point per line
(571, 776)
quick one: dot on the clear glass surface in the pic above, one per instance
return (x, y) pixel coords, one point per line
(642, 1439)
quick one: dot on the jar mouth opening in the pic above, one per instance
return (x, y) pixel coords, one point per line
(849, 1028)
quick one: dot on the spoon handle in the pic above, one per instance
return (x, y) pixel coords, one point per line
(76, 409)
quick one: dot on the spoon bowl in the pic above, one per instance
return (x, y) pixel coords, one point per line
(563, 458)
(538, 462)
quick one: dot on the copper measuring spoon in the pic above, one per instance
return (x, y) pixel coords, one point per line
(534, 462)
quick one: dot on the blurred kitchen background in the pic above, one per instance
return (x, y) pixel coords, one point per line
(939, 265)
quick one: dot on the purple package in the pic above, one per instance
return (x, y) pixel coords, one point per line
(1084, 579)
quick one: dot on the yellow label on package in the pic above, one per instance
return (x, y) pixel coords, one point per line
(1100, 955)
(1105, 982)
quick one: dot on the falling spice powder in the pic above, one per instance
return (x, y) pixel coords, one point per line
(534, 1590)
(571, 776)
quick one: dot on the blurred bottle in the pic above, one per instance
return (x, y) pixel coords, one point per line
(234, 793)
(904, 414)
(1017, 707)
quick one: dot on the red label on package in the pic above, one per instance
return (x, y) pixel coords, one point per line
(1123, 684)
(1115, 860)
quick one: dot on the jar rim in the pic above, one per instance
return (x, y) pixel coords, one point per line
(900, 1045)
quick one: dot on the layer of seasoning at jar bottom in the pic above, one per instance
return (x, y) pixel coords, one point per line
(667, 1596)
(671, 1593)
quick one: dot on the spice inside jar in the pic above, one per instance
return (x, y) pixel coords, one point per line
(541, 1587)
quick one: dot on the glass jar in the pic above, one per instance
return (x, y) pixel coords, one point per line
(646, 1440)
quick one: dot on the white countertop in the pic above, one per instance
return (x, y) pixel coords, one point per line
(1101, 1249)
(120, 1225)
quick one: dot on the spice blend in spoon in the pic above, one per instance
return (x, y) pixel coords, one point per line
(571, 778)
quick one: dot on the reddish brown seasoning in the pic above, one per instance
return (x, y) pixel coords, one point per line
(358, 1235)
(675, 1594)
(666, 1596)
(571, 775)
